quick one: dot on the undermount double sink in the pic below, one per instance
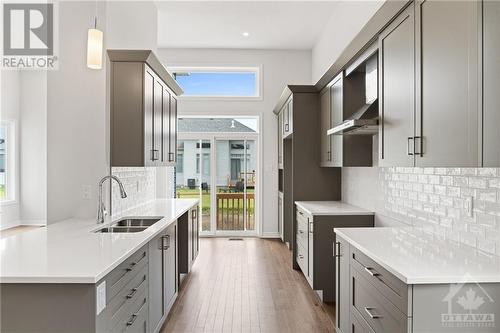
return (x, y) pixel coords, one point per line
(130, 224)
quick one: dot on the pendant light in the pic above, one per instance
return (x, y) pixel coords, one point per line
(94, 47)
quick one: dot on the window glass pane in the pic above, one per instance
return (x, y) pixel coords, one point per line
(217, 125)
(222, 84)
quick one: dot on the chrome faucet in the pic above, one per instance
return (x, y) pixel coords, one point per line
(101, 209)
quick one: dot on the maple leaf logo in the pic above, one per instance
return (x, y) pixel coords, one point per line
(470, 301)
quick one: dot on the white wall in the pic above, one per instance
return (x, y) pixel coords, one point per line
(33, 143)
(280, 67)
(348, 18)
(77, 124)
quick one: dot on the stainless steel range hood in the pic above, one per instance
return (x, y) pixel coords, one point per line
(362, 122)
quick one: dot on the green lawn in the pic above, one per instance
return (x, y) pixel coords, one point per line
(205, 199)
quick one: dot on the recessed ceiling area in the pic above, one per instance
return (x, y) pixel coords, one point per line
(242, 24)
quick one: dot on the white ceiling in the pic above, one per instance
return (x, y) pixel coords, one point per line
(271, 24)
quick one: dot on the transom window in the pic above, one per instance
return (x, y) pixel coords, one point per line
(230, 82)
(6, 161)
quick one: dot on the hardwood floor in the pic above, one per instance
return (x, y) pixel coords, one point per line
(17, 230)
(247, 286)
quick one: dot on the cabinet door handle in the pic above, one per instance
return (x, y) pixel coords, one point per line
(301, 213)
(410, 148)
(336, 250)
(154, 154)
(170, 157)
(301, 231)
(311, 227)
(286, 127)
(167, 239)
(418, 145)
(371, 271)
(369, 312)
(301, 256)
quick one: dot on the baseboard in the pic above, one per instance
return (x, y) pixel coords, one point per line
(270, 235)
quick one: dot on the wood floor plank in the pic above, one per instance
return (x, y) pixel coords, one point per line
(247, 286)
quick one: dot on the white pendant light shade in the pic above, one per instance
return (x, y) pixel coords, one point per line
(94, 49)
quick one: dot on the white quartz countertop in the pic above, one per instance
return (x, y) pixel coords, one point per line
(331, 208)
(70, 252)
(418, 257)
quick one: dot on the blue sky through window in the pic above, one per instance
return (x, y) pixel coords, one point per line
(233, 84)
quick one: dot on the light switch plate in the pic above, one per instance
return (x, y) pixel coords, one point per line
(468, 206)
(100, 297)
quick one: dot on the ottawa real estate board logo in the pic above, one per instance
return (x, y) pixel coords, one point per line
(29, 36)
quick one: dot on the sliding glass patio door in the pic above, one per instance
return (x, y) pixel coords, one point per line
(236, 165)
(222, 173)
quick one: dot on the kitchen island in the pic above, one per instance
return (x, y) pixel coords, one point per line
(94, 281)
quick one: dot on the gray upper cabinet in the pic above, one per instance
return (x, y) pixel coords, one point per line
(491, 79)
(337, 116)
(396, 91)
(325, 125)
(447, 67)
(143, 109)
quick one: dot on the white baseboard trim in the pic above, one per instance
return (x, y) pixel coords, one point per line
(270, 235)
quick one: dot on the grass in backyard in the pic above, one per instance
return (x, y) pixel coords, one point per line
(205, 200)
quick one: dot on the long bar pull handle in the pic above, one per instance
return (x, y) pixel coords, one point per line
(371, 314)
(418, 145)
(371, 271)
(410, 144)
(336, 250)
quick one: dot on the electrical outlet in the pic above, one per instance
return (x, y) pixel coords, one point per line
(86, 192)
(468, 206)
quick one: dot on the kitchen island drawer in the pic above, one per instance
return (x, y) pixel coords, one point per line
(380, 314)
(121, 275)
(386, 283)
(135, 320)
(119, 306)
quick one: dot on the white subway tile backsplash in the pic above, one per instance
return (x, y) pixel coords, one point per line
(433, 198)
(139, 183)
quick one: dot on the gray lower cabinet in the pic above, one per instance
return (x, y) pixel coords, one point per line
(491, 82)
(396, 91)
(189, 242)
(371, 299)
(342, 278)
(313, 254)
(162, 276)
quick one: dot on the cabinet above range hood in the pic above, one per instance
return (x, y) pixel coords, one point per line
(362, 122)
(364, 119)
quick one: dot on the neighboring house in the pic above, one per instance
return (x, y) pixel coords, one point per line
(230, 162)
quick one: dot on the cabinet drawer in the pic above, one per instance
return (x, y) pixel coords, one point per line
(359, 325)
(119, 307)
(304, 216)
(302, 230)
(379, 313)
(302, 258)
(135, 318)
(121, 275)
(387, 284)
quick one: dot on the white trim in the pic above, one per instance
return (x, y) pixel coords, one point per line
(271, 235)
(257, 69)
